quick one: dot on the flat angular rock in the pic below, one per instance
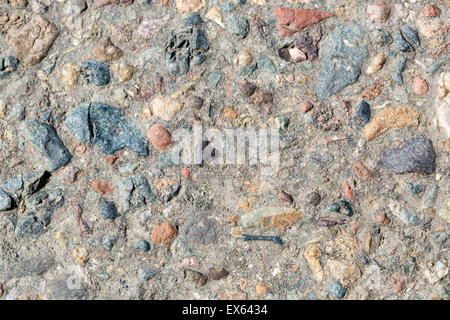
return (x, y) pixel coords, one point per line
(343, 52)
(415, 155)
(32, 41)
(199, 229)
(271, 217)
(290, 20)
(135, 192)
(106, 127)
(46, 141)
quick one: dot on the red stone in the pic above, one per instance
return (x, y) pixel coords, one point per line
(420, 86)
(431, 11)
(163, 233)
(306, 106)
(290, 20)
(159, 137)
(102, 187)
(186, 173)
(111, 159)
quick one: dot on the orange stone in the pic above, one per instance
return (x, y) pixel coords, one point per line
(261, 289)
(306, 106)
(290, 20)
(362, 172)
(186, 173)
(111, 159)
(163, 233)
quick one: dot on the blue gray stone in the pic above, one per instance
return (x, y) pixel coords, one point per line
(400, 65)
(337, 289)
(415, 155)
(99, 73)
(106, 127)
(199, 40)
(146, 274)
(47, 142)
(266, 64)
(29, 225)
(410, 218)
(14, 183)
(5, 201)
(193, 19)
(135, 192)
(108, 210)
(415, 188)
(214, 79)
(429, 196)
(142, 245)
(343, 52)
(238, 25)
(109, 242)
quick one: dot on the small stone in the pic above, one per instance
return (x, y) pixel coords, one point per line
(146, 274)
(80, 255)
(407, 217)
(244, 58)
(247, 88)
(214, 14)
(69, 75)
(337, 289)
(159, 137)
(163, 233)
(415, 188)
(45, 139)
(196, 277)
(99, 73)
(186, 173)
(194, 19)
(376, 63)
(218, 273)
(431, 10)
(193, 102)
(184, 6)
(313, 199)
(390, 118)
(420, 86)
(150, 27)
(142, 245)
(123, 71)
(380, 37)
(407, 39)
(111, 159)
(238, 25)
(429, 28)
(261, 289)
(214, 79)
(415, 155)
(70, 173)
(261, 97)
(229, 113)
(429, 197)
(363, 113)
(362, 172)
(372, 91)
(102, 187)
(109, 242)
(29, 225)
(5, 201)
(105, 51)
(306, 106)
(108, 210)
(199, 229)
(312, 255)
(33, 40)
(271, 217)
(400, 65)
(165, 107)
(15, 183)
(296, 55)
(378, 11)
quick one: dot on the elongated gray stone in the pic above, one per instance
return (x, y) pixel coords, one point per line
(343, 55)
(47, 142)
(5, 201)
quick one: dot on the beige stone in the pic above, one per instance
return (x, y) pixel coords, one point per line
(184, 6)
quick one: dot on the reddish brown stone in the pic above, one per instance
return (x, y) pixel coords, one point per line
(431, 11)
(383, 219)
(290, 20)
(373, 91)
(163, 233)
(261, 97)
(102, 187)
(362, 172)
(186, 173)
(159, 137)
(306, 106)
(111, 159)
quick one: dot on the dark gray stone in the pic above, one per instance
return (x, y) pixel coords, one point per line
(29, 225)
(410, 35)
(415, 188)
(199, 229)
(108, 210)
(99, 74)
(415, 155)
(47, 142)
(193, 19)
(400, 65)
(343, 52)
(199, 40)
(106, 127)
(135, 192)
(363, 114)
(27, 266)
